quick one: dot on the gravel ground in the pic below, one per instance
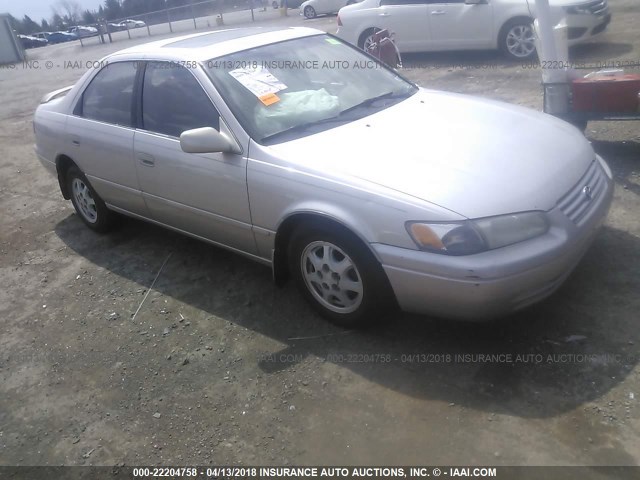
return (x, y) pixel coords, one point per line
(221, 367)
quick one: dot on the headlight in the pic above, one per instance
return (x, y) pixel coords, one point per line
(508, 229)
(578, 10)
(474, 236)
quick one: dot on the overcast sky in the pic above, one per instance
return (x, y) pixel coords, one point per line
(39, 9)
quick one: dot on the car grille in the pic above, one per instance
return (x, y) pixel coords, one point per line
(578, 202)
(598, 7)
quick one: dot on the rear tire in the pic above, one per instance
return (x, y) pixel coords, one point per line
(366, 38)
(309, 12)
(89, 206)
(339, 276)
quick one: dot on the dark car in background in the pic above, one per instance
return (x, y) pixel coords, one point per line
(28, 41)
(56, 37)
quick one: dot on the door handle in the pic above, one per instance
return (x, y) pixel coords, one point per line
(384, 14)
(438, 12)
(146, 159)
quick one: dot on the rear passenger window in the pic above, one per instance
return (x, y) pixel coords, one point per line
(173, 101)
(109, 96)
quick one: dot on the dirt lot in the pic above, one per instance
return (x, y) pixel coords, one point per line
(221, 367)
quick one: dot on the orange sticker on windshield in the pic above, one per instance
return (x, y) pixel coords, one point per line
(269, 99)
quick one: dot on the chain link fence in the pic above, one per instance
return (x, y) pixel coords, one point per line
(201, 15)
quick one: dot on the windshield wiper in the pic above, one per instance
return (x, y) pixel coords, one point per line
(305, 126)
(370, 101)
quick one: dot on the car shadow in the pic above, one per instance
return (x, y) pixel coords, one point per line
(491, 58)
(549, 359)
(624, 160)
(603, 52)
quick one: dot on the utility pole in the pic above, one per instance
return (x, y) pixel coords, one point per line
(555, 80)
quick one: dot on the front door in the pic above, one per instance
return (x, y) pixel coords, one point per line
(202, 194)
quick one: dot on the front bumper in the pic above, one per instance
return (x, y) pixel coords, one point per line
(498, 282)
(582, 28)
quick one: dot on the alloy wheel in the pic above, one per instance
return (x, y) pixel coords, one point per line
(332, 277)
(84, 200)
(520, 41)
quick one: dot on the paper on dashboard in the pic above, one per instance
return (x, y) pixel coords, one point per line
(259, 80)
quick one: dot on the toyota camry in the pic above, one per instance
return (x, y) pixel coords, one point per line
(300, 151)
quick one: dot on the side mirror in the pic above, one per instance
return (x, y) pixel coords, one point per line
(475, 2)
(206, 140)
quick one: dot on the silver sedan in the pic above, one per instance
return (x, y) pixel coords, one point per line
(303, 153)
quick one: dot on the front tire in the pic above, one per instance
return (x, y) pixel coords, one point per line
(309, 12)
(517, 39)
(88, 205)
(338, 276)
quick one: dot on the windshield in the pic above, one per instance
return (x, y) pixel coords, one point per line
(295, 88)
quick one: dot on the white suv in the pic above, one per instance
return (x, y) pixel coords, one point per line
(436, 25)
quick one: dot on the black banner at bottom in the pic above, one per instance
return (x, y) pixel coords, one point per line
(315, 472)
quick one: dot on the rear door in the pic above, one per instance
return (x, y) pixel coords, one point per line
(202, 194)
(100, 136)
(456, 25)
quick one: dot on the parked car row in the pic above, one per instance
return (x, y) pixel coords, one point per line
(41, 39)
(440, 25)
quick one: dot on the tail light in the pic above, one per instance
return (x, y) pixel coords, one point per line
(339, 21)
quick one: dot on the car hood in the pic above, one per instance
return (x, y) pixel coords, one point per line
(473, 156)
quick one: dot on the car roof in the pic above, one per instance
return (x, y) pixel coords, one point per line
(208, 45)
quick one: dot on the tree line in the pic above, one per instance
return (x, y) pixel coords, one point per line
(68, 13)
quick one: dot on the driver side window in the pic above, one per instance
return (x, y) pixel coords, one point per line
(173, 101)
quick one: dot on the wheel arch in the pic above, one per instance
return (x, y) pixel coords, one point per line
(505, 24)
(63, 163)
(292, 221)
(365, 33)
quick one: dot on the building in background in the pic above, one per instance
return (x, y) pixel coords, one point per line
(11, 50)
